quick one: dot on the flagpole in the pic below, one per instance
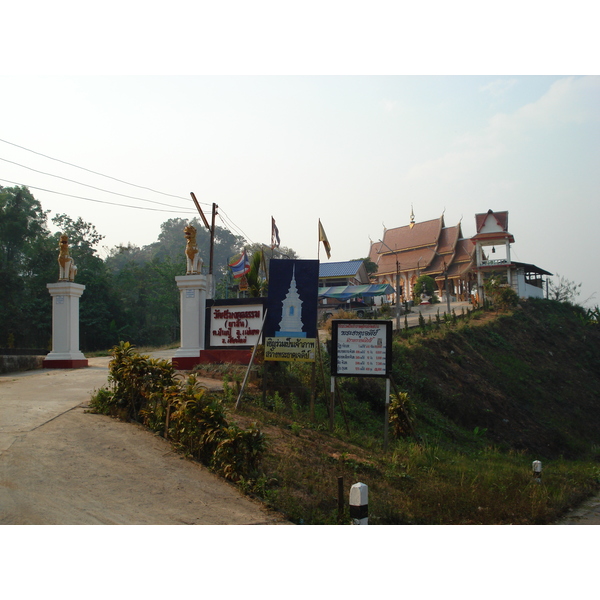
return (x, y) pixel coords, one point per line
(319, 242)
(318, 248)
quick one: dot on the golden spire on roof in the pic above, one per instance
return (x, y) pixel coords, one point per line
(412, 217)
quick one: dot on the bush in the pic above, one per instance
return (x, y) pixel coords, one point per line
(180, 409)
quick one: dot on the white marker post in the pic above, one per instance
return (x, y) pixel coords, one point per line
(359, 504)
(537, 471)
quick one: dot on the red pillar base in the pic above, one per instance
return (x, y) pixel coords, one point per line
(219, 357)
(185, 363)
(212, 357)
(65, 364)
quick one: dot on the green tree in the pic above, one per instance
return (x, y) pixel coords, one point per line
(257, 282)
(424, 285)
(370, 266)
(99, 305)
(26, 259)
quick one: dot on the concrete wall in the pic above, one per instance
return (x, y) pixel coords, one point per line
(17, 362)
(525, 290)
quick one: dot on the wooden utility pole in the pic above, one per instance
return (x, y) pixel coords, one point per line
(211, 230)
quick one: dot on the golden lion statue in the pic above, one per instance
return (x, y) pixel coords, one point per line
(67, 269)
(192, 254)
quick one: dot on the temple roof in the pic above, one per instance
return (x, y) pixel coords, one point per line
(501, 218)
(418, 235)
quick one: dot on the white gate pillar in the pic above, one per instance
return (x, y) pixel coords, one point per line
(65, 327)
(192, 295)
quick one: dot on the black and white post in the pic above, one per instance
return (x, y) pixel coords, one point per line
(359, 504)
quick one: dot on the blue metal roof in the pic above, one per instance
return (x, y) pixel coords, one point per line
(345, 292)
(348, 268)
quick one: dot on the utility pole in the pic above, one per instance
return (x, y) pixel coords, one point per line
(211, 230)
(446, 286)
(397, 284)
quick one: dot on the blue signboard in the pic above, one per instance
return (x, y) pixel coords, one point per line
(291, 324)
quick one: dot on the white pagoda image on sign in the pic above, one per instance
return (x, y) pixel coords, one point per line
(291, 313)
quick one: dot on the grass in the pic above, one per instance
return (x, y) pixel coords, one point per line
(414, 482)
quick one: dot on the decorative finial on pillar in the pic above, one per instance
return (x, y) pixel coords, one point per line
(412, 217)
(192, 253)
(67, 269)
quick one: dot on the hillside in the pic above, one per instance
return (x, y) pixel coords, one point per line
(489, 394)
(530, 378)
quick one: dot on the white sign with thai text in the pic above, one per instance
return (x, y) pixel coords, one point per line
(235, 326)
(362, 348)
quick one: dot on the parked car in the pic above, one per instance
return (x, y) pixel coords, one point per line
(358, 306)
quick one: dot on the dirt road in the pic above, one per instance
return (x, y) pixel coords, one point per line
(62, 465)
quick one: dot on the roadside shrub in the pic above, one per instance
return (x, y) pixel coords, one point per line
(180, 409)
(400, 415)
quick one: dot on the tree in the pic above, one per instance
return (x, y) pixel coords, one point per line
(370, 266)
(171, 243)
(99, 306)
(563, 290)
(26, 258)
(268, 253)
(257, 283)
(424, 285)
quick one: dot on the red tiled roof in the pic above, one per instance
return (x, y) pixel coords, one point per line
(495, 236)
(429, 247)
(420, 235)
(408, 260)
(448, 238)
(456, 270)
(464, 250)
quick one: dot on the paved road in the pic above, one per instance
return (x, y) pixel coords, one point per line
(62, 465)
(586, 514)
(430, 310)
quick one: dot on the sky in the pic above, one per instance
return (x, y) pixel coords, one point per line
(323, 110)
(357, 152)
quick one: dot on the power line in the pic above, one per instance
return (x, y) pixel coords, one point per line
(229, 225)
(98, 201)
(94, 172)
(87, 185)
(232, 225)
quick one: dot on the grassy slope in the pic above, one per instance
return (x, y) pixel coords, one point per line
(489, 396)
(532, 379)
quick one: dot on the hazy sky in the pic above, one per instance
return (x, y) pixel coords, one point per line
(355, 151)
(321, 110)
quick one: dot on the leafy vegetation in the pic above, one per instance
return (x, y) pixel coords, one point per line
(130, 295)
(180, 409)
(425, 285)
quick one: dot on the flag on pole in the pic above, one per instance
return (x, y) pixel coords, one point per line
(274, 235)
(323, 238)
(241, 266)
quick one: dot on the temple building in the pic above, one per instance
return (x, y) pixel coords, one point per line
(458, 265)
(427, 248)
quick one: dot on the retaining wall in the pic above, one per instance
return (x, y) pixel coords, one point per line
(19, 362)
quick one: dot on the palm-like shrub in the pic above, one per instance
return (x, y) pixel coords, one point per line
(181, 409)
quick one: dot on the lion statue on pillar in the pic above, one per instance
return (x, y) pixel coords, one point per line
(192, 254)
(67, 269)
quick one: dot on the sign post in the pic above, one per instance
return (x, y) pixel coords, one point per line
(362, 348)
